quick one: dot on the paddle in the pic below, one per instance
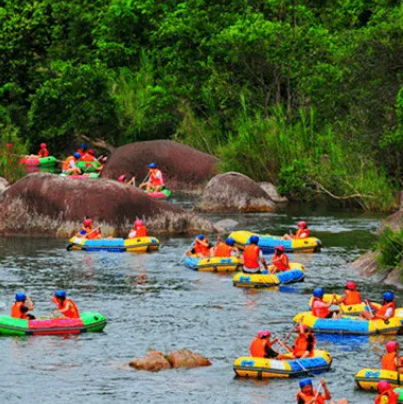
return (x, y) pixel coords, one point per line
(70, 246)
(317, 394)
(189, 249)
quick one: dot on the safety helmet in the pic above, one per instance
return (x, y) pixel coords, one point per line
(83, 146)
(20, 297)
(383, 385)
(318, 292)
(391, 346)
(138, 223)
(302, 224)
(92, 152)
(60, 293)
(43, 146)
(304, 327)
(279, 247)
(305, 382)
(87, 222)
(152, 165)
(351, 285)
(254, 239)
(230, 241)
(200, 236)
(388, 296)
(263, 334)
(121, 178)
(77, 155)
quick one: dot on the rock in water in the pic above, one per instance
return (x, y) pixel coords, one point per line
(184, 168)
(235, 192)
(226, 224)
(367, 264)
(186, 359)
(152, 362)
(271, 190)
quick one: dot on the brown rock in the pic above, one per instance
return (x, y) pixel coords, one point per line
(395, 222)
(367, 264)
(394, 278)
(183, 167)
(41, 203)
(152, 362)
(186, 359)
(235, 192)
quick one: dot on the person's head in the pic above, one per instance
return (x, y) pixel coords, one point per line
(279, 249)
(392, 346)
(254, 240)
(302, 225)
(388, 297)
(87, 222)
(351, 285)
(76, 155)
(318, 292)
(230, 241)
(92, 152)
(60, 295)
(200, 237)
(152, 166)
(306, 386)
(138, 223)
(263, 334)
(122, 178)
(383, 386)
(304, 329)
(20, 297)
(43, 146)
(83, 147)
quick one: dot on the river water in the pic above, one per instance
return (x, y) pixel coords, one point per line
(152, 302)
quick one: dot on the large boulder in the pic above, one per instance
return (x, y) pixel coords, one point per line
(153, 362)
(235, 192)
(271, 190)
(184, 168)
(183, 358)
(47, 204)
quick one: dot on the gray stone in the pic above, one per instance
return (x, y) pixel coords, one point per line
(271, 190)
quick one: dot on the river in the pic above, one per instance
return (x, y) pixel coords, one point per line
(152, 302)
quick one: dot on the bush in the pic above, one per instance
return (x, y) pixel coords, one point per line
(390, 246)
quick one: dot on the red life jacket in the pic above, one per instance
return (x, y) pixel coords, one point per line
(156, 178)
(308, 398)
(388, 361)
(257, 348)
(392, 397)
(302, 233)
(16, 311)
(141, 231)
(320, 312)
(382, 310)
(352, 297)
(223, 250)
(43, 153)
(251, 256)
(72, 312)
(281, 262)
(301, 345)
(87, 157)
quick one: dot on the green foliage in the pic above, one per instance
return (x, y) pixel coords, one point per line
(390, 246)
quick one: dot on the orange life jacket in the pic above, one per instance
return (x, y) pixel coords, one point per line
(257, 348)
(301, 345)
(72, 312)
(281, 262)
(388, 361)
(43, 153)
(66, 163)
(90, 233)
(87, 157)
(302, 233)
(308, 398)
(382, 310)
(320, 312)
(201, 249)
(141, 231)
(392, 397)
(251, 256)
(223, 250)
(352, 297)
(156, 178)
(16, 310)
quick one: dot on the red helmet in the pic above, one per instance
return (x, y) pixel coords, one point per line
(383, 385)
(87, 222)
(121, 178)
(301, 224)
(43, 146)
(351, 285)
(263, 334)
(304, 327)
(279, 247)
(9, 145)
(138, 223)
(92, 152)
(391, 346)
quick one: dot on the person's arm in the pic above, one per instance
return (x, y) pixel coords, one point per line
(30, 304)
(262, 259)
(68, 306)
(327, 395)
(387, 316)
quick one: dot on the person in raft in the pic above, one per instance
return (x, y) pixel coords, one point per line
(261, 346)
(138, 230)
(386, 394)
(155, 181)
(350, 297)
(69, 165)
(82, 149)
(386, 311)
(280, 260)
(200, 247)
(20, 310)
(88, 232)
(43, 151)
(302, 232)
(124, 179)
(308, 395)
(253, 257)
(319, 307)
(226, 249)
(391, 360)
(65, 306)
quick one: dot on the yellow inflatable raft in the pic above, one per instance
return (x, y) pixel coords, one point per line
(248, 366)
(138, 244)
(214, 264)
(367, 379)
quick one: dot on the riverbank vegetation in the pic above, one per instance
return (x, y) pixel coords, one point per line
(308, 95)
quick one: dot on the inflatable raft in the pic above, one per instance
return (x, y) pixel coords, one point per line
(88, 322)
(139, 244)
(367, 379)
(80, 177)
(352, 309)
(165, 193)
(215, 264)
(350, 325)
(268, 242)
(296, 274)
(88, 166)
(36, 161)
(248, 366)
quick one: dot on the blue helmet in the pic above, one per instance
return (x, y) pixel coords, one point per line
(77, 155)
(305, 382)
(254, 239)
(83, 146)
(60, 293)
(388, 296)
(20, 297)
(318, 292)
(200, 236)
(230, 241)
(152, 165)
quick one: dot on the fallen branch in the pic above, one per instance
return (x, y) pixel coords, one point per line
(353, 196)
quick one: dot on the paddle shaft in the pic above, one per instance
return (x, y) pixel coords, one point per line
(189, 249)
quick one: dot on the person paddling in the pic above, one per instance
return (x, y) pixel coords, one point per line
(43, 151)
(201, 247)
(139, 230)
(307, 395)
(65, 306)
(386, 394)
(386, 311)
(261, 346)
(69, 165)
(20, 310)
(280, 260)
(125, 180)
(156, 181)
(391, 360)
(88, 231)
(302, 232)
(319, 307)
(253, 257)
(226, 249)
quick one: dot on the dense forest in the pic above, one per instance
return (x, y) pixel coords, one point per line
(306, 94)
